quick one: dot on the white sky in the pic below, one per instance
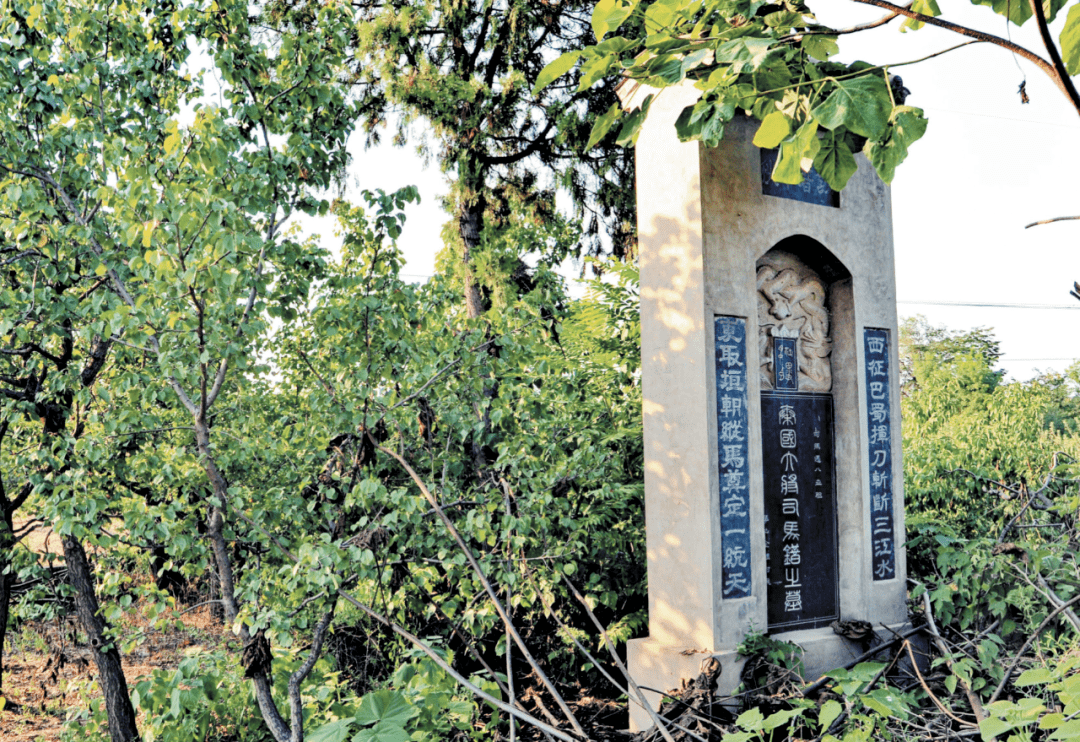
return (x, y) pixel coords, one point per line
(986, 167)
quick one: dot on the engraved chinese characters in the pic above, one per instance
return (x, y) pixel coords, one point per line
(879, 424)
(797, 451)
(791, 304)
(787, 372)
(732, 422)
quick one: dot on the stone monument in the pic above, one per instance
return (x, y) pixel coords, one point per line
(773, 480)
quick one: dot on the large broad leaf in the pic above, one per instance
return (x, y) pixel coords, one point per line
(608, 15)
(907, 126)
(1035, 676)
(797, 155)
(820, 47)
(884, 156)
(661, 15)
(382, 733)
(829, 711)
(774, 129)
(788, 166)
(1019, 11)
(555, 70)
(834, 162)
(1070, 41)
(335, 731)
(603, 125)
(595, 68)
(631, 127)
(861, 104)
(385, 706)
(747, 52)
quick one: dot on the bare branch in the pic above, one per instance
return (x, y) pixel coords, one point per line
(850, 29)
(487, 586)
(626, 673)
(976, 705)
(417, 642)
(1016, 660)
(1051, 221)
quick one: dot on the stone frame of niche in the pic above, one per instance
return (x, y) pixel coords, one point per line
(847, 422)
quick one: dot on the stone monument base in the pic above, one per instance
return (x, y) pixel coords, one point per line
(663, 667)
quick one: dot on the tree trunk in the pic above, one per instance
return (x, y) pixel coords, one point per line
(106, 656)
(7, 543)
(215, 531)
(470, 224)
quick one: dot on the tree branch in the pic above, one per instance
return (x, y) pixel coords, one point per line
(1016, 660)
(487, 586)
(417, 642)
(1063, 79)
(1047, 67)
(1051, 221)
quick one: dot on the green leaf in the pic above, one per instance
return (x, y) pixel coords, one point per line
(1068, 730)
(1020, 12)
(631, 127)
(788, 167)
(739, 737)
(594, 69)
(603, 125)
(820, 47)
(1051, 721)
(751, 720)
(608, 15)
(335, 731)
(385, 705)
(600, 14)
(1070, 41)
(779, 718)
(861, 104)
(797, 155)
(830, 710)
(554, 70)
(774, 129)
(926, 7)
(834, 162)
(382, 733)
(1035, 676)
(993, 726)
(872, 703)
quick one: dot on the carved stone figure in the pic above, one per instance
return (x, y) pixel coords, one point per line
(791, 303)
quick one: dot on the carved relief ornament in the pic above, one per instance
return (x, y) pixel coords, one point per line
(791, 303)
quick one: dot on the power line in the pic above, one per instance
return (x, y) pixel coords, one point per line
(1001, 118)
(986, 305)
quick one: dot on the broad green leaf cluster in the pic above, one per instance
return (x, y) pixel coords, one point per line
(770, 61)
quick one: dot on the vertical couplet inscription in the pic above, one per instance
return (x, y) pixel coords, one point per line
(879, 425)
(732, 417)
(800, 517)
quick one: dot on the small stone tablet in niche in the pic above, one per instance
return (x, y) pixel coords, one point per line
(812, 190)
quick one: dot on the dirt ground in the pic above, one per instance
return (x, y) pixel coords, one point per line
(46, 672)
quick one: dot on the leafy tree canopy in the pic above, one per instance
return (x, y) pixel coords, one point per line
(774, 61)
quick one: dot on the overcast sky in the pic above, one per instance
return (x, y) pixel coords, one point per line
(987, 166)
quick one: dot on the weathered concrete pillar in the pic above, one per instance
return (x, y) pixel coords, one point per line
(773, 478)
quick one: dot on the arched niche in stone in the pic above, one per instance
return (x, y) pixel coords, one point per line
(803, 318)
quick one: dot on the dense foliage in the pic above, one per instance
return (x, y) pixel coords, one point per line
(393, 496)
(774, 61)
